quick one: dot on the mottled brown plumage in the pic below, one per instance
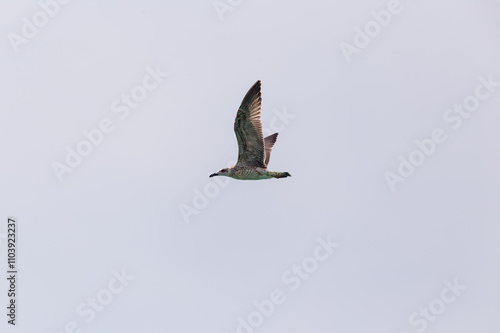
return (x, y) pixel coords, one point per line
(248, 130)
(254, 151)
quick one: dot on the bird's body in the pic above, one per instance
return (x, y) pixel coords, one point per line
(254, 151)
(254, 173)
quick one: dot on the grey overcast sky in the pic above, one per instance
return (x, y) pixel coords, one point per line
(114, 114)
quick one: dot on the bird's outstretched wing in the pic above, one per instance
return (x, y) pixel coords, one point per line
(248, 129)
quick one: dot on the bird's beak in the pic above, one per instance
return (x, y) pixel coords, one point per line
(214, 174)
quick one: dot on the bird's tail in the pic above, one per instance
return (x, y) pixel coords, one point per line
(280, 174)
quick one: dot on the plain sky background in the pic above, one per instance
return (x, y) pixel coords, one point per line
(121, 207)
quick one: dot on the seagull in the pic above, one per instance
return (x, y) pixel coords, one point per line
(254, 151)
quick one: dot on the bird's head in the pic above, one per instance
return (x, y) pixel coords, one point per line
(221, 172)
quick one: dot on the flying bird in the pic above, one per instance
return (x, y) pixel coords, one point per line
(254, 151)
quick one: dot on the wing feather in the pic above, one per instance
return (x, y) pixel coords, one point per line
(248, 130)
(269, 142)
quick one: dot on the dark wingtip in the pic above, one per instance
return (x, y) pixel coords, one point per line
(256, 85)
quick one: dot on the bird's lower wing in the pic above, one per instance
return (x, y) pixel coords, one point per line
(269, 142)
